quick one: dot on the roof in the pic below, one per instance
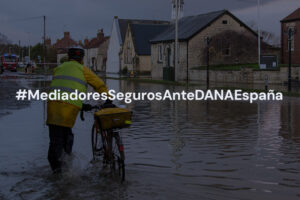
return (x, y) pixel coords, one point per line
(192, 25)
(293, 16)
(143, 33)
(65, 42)
(95, 42)
(123, 24)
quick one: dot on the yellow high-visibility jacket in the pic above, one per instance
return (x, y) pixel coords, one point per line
(65, 113)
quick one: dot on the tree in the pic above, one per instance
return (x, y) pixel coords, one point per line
(230, 47)
(268, 37)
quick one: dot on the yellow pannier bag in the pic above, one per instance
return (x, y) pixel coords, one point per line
(109, 118)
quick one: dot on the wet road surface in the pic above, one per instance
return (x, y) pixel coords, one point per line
(174, 150)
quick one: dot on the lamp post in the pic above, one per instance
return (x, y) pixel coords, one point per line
(290, 35)
(258, 30)
(208, 40)
(176, 40)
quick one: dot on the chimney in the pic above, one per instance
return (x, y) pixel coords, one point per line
(80, 43)
(100, 34)
(86, 41)
(67, 34)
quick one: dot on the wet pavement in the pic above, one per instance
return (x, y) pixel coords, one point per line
(174, 150)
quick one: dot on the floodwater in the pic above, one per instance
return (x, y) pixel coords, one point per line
(174, 150)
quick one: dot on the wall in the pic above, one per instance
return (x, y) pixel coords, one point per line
(197, 43)
(89, 55)
(102, 56)
(144, 64)
(157, 66)
(246, 75)
(59, 56)
(128, 52)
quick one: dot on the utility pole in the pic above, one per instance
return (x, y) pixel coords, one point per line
(208, 40)
(44, 17)
(258, 30)
(19, 50)
(176, 40)
(290, 35)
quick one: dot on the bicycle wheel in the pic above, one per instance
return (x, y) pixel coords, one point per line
(97, 145)
(118, 154)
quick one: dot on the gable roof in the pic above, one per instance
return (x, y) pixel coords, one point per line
(123, 24)
(192, 25)
(142, 34)
(293, 16)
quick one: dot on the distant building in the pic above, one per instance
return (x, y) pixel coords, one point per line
(136, 51)
(232, 42)
(62, 46)
(292, 22)
(117, 36)
(102, 56)
(92, 47)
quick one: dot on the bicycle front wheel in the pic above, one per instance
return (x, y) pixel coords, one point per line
(97, 148)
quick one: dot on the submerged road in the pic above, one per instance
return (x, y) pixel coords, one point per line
(174, 150)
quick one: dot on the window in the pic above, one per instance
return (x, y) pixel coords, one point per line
(292, 39)
(160, 53)
(224, 22)
(226, 50)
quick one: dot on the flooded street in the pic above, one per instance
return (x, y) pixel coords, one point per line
(174, 150)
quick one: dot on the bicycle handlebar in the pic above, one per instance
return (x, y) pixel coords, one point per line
(88, 107)
(85, 108)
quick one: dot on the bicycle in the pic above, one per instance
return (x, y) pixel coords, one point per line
(106, 143)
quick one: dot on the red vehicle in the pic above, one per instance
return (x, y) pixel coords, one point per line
(9, 62)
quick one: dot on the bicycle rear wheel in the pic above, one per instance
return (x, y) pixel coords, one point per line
(118, 154)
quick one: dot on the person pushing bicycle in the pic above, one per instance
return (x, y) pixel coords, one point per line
(61, 115)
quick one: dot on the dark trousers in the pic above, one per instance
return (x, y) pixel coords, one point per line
(61, 140)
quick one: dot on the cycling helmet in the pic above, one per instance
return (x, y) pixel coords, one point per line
(76, 53)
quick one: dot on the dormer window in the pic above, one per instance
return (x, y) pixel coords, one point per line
(224, 22)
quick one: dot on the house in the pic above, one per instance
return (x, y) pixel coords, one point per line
(102, 55)
(62, 46)
(136, 50)
(291, 22)
(232, 42)
(91, 47)
(117, 36)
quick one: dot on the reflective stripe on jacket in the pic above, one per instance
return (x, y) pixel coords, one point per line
(69, 78)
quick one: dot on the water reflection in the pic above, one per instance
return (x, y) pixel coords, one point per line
(174, 149)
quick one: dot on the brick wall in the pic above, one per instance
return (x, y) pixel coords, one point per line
(284, 42)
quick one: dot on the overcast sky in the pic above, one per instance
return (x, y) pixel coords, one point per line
(84, 17)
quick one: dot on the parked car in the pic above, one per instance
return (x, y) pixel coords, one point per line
(21, 64)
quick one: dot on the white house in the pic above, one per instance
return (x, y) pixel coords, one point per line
(92, 49)
(117, 36)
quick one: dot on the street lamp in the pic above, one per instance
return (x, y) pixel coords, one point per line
(176, 39)
(258, 30)
(290, 36)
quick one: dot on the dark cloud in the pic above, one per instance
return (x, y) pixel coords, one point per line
(84, 17)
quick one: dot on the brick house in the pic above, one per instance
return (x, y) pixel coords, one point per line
(292, 21)
(136, 50)
(233, 42)
(92, 47)
(62, 46)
